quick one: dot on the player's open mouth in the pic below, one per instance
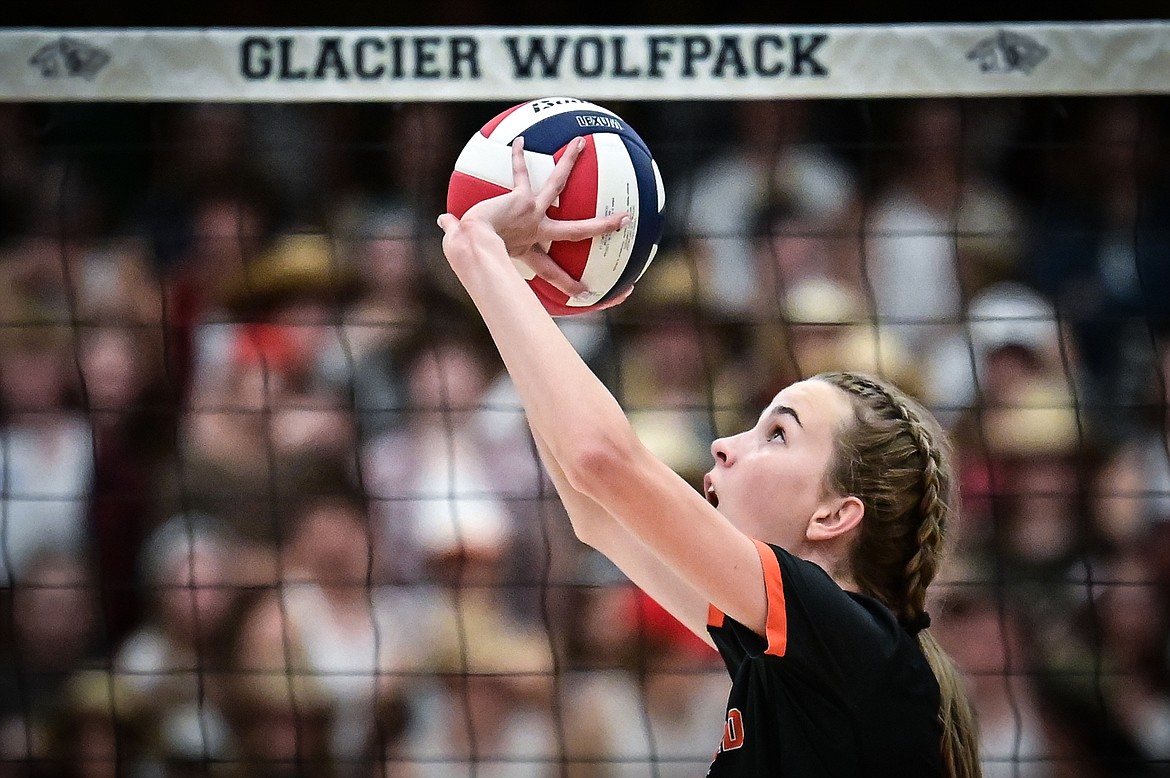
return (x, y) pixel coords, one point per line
(709, 493)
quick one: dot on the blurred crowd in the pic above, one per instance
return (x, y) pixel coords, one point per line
(269, 507)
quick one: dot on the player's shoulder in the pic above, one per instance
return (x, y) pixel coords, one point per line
(812, 590)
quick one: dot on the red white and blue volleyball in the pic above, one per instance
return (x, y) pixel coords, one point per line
(615, 173)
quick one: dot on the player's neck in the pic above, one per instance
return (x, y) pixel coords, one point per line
(832, 564)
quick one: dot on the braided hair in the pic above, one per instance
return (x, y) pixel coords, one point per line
(895, 459)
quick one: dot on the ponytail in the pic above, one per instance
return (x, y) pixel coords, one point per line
(960, 738)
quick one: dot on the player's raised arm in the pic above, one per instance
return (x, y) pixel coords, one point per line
(584, 428)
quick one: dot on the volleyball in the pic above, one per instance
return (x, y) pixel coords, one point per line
(615, 173)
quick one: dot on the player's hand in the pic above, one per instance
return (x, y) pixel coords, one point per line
(520, 218)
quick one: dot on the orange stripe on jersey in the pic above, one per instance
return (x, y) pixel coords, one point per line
(714, 616)
(777, 624)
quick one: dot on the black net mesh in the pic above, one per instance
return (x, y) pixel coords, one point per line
(268, 505)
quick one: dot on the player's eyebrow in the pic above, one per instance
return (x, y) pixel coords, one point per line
(784, 410)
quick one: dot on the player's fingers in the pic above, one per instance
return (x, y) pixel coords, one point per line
(555, 184)
(621, 298)
(520, 181)
(447, 222)
(580, 229)
(546, 267)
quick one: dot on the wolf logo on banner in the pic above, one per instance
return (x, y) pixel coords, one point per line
(1007, 52)
(69, 58)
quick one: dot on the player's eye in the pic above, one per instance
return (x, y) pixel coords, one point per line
(777, 433)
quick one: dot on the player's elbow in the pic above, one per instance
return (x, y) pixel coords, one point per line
(589, 531)
(599, 460)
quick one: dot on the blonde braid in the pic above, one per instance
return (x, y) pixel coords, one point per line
(933, 508)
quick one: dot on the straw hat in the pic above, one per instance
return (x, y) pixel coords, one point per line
(294, 267)
(481, 639)
(1041, 420)
(821, 301)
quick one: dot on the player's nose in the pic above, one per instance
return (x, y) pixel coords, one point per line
(722, 452)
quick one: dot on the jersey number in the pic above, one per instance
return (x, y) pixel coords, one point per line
(733, 732)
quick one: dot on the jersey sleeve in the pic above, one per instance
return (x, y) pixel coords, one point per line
(806, 609)
(740, 641)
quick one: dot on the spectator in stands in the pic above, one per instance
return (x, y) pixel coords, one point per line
(488, 708)
(674, 366)
(98, 730)
(46, 462)
(55, 632)
(362, 641)
(132, 411)
(816, 323)
(284, 308)
(1038, 464)
(1027, 460)
(60, 223)
(1021, 735)
(794, 242)
(1133, 489)
(771, 159)
(381, 246)
(598, 674)
(1103, 252)
(938, 230)
(644, 693)
(175, 660)
(457, 471)
(262, 403)
(829, 330)
(1011, 339)
(1135, 674)
(203, 247)
(280, 720)
(225, 462)
(1049, 558)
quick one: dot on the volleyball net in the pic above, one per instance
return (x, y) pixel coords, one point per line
(268, 504)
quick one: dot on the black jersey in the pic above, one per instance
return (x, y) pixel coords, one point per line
(837, 688)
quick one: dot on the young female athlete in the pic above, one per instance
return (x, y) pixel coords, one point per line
(806, 561)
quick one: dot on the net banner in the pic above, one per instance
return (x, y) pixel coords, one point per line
(478, 63)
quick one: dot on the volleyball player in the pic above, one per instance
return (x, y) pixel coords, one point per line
(806, 561)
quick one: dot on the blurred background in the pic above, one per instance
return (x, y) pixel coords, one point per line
(268, 505)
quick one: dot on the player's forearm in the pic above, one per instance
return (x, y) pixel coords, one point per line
(566, 404)
(598, 528)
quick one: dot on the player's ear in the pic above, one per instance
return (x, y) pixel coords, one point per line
(836, 517)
